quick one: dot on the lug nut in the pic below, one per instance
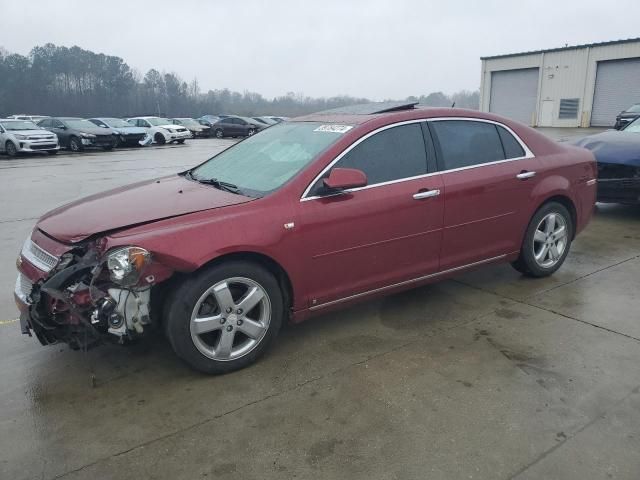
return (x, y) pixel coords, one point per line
(239, 322)
(222, 320)
(228, 309)
(239, 311)
(229, 328)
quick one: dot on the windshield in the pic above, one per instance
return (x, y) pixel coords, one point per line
(265, 161)
(20, 125)
(188, 121)
(79, 124)
(634, 108)
(633, 127)
(159, 121)
(116, 122)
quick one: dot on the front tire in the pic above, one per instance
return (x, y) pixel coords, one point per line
(251, 132)
(159, 139)
(10, 148)
(181, 141)
(52, 152)
(75, 145)
(224, 317)
(219, 133)
(547, 241)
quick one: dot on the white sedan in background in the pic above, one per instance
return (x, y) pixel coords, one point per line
(161, 130)
(24, 136)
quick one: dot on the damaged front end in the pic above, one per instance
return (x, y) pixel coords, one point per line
(618, 183)
(85, 295)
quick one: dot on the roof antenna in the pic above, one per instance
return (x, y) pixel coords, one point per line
(453, 104)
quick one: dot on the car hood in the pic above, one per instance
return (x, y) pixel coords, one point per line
(46, 133)
(132, 205)
(617, 147)
(628, 114)
(134, 130)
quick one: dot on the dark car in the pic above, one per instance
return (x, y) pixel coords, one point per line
(77, 134)
(618, 157)
(197, 129)
(126, 134)
(308, 216)
(234, 127)
(627, 116)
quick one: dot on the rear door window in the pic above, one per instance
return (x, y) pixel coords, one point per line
(512, 148)
(465, 143)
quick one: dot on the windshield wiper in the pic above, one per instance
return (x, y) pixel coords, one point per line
(220, 185)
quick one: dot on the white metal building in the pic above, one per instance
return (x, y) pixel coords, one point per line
(579, 86)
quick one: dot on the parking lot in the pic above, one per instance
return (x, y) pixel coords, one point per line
(490, 375)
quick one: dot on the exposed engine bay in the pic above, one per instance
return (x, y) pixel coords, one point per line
(88, 297)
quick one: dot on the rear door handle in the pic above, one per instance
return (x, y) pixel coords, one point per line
(524, 175)
(427, 194)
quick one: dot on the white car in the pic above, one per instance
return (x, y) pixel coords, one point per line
(161, 129)
(24, 136)
(32, 118)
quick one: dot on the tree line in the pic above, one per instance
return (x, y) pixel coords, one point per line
(57, 80)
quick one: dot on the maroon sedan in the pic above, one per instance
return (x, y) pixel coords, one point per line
(309, 215)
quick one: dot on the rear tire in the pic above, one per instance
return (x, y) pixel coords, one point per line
(219, 133)
(251, 132)
(546, 242)
(159, 139)
(220, 345)
(181, 141)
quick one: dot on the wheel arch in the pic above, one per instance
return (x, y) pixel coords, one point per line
(567, 203)
(265, 261)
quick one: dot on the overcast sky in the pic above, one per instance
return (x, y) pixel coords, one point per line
(372, 48)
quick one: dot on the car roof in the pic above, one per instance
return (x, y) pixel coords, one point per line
(409, 112)
(68, 118)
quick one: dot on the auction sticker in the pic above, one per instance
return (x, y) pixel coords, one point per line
(333, 128)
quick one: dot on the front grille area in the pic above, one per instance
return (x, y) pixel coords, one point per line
(614, 171)
(180, 130)
(42, 147)
(38, 257)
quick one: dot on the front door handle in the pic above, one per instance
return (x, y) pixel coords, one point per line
(524, 175)
(426, 194)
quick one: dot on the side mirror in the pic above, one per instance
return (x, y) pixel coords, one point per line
(345, 178)
(62, 127)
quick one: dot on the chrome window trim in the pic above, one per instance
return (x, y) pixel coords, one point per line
(527, 151)
(406, 282)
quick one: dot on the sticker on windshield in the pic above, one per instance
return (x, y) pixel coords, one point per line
(333, 128)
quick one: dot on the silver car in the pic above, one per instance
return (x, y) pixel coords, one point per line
(24, 136)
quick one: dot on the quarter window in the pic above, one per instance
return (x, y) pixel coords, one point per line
(512, 149)
(391, 154)
(465, 143)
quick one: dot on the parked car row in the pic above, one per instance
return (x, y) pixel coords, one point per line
(28, 133)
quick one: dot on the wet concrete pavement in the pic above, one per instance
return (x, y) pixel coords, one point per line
(489, 375)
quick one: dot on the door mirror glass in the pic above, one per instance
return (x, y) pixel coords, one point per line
(345, 178)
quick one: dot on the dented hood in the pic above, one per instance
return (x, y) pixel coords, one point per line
(135, 204)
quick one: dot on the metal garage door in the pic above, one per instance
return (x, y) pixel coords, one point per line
(617, 87)
(514, 94)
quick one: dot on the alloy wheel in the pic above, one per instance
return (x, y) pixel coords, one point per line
(230, 319)
(74, 145)
(550, 240)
